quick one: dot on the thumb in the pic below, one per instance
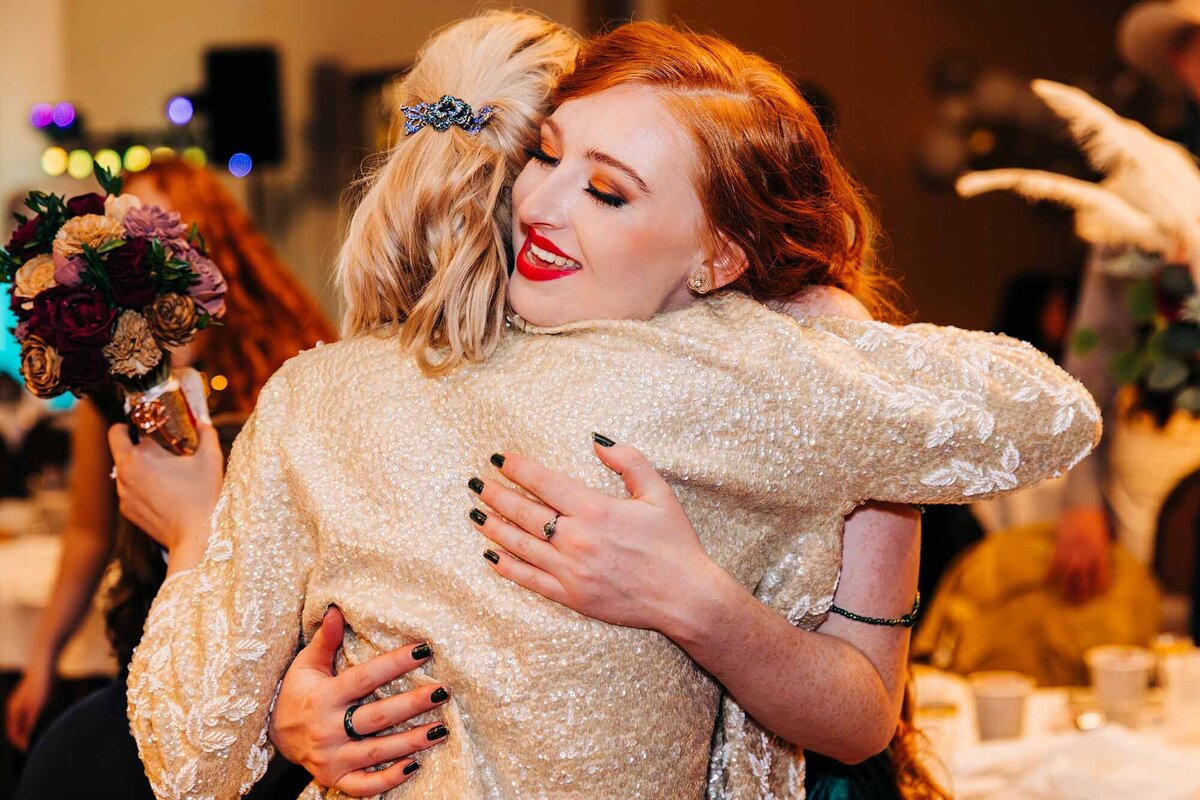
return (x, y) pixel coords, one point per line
(639, 475)
(320, 651)
(119, 442)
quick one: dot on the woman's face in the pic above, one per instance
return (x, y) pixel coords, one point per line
(606, 220)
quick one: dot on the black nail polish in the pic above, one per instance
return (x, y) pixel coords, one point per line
(421, 652)
(439, 695)
(475, 485)
(477, 516)
(498, 460)
(602, 440)
(413, 767)
(491, 556)
(437, 732)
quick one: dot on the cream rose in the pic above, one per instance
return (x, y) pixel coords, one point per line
(34, 277)
(90, 230)
(115, 206)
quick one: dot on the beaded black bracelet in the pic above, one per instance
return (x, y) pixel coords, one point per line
(906, 621)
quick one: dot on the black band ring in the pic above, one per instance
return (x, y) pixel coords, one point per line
(348, 724)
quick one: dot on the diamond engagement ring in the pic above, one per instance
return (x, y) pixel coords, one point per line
(549, 527)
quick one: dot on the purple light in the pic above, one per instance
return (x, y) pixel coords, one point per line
(240, 165)
(41, 115)
(179, 110)
(63, 115)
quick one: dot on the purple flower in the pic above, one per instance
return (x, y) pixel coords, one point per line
(22, 331)
(209, 291)
(151, 222)
(68, 270)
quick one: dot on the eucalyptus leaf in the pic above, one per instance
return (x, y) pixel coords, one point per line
(1084, 341)
(1139, 299)
(1166, 375)
(1176, 279)
(1181, 338)
(109, 182)
(1128, 366)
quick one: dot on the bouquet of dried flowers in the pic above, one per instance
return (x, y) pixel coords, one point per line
(103, 287)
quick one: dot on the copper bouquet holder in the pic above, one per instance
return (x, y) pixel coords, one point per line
(170, 411)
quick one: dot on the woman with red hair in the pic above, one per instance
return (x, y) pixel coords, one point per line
(657, 209)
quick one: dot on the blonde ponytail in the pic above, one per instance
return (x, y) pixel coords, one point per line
(427, 247)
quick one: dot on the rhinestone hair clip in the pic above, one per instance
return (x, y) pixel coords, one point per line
(443, 114)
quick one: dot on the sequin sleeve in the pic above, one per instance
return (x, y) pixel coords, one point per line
(219, 636)
(941, 415)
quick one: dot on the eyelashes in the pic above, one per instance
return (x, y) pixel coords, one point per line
(606, 199)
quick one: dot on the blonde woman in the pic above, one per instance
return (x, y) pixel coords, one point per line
(349, 485)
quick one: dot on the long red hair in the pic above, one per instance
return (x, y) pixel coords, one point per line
(269, 316)
(767, 175)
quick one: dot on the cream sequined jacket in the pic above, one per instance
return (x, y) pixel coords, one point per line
(348, 487)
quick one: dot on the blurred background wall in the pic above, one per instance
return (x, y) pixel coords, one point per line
(119, 61)
(874, 57)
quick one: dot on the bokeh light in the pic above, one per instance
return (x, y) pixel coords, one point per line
(179, 110)
(219, 383)
(240, 165)
(137, 158)
(162, 152)
(41, 115)
(79, 164)
(54, 161)
(194, 156)
(63, 115)
(110, 160)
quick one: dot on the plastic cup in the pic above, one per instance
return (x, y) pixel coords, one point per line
(1120, 677)
(1181, 694)
(1000, 698)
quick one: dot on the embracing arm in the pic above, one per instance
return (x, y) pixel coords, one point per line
(220, 635)
(836, 691)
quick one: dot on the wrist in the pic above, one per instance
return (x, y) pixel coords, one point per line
(698, 606)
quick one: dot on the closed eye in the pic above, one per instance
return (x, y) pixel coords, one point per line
(605, 198)
(541, 156)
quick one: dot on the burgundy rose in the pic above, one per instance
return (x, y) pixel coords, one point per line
(90, 203)
(209, 290)
(22, 331)
(22, 236)
(83, 368)
(132, 286)
(70, 317)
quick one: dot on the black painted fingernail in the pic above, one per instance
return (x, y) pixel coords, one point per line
(421, 652)
(439, 695)
(413, 767)
(602, 440)
(498, 460)
(475, 485)
(477, 516)
(437, 732)
(491, 556)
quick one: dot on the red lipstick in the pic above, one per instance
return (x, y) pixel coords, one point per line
(531, 267)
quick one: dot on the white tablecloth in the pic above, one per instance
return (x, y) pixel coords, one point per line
(1053, 760)
(28, 566)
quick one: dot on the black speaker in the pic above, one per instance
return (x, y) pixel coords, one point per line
(245, 111)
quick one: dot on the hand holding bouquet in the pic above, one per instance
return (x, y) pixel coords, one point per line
(103, 287)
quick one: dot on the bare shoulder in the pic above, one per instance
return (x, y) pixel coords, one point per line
(822, 301)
